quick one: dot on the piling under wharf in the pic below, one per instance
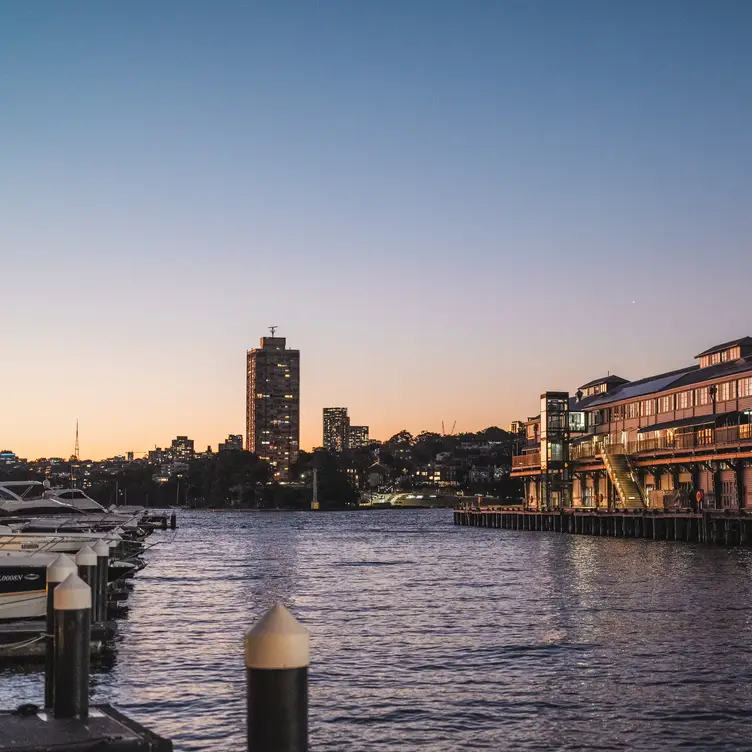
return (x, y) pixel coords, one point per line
(722, 527)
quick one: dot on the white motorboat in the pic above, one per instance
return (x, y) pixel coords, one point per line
(62, 542)
(76, 498)
(23, 582)
(27, 498)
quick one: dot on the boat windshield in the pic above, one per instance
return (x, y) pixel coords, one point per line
(6, 495)
(72, 495)
(27, 491)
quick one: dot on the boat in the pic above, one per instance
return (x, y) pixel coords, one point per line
(409, 499)
(76, 498)
(23, 581)
(27, 498)
(61, 542)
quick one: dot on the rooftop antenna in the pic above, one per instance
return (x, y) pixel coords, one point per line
(273, 329)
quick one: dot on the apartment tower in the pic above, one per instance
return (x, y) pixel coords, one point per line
(272, 428)
(336, 429)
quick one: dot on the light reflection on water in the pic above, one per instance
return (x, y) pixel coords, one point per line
(425, 635)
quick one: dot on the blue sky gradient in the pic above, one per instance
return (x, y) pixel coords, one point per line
(447, 207)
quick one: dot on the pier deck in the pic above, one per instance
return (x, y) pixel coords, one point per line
(104, 730)
(723, 527)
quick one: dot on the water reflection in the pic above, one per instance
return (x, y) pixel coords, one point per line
(425, 635)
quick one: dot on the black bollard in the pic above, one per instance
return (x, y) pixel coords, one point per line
(173, 520)
(102, 550)
(57, 571)
(86, 561)
(276, 660)
(72, 648)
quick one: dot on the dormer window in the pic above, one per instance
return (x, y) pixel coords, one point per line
(726, 352)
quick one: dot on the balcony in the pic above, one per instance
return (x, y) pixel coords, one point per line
(522, 461)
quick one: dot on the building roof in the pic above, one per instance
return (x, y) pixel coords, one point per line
(606, 380)
(743, 341)
(649, 385)
(718, 371)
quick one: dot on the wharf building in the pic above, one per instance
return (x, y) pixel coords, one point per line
(272, 428)
(675, 440)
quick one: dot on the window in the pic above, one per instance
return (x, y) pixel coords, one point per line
(633, 410)
(704, 436)
(715, 358)
(648, 407)
(701, 396)
(683, 400)
(745, 387)
(726, 391)
(666, 404)
(618, 412)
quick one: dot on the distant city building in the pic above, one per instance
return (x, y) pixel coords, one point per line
(129, 455)
(182, 448)
(273, 404)
(157, 456)
(358, 437)
(516, 426)
(233, 442)
(336, 429)
(8, 458)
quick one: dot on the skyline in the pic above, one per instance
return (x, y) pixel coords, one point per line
(447, 211)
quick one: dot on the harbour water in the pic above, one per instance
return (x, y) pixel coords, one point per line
(430, 636)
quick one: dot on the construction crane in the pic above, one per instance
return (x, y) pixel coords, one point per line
(443, 430)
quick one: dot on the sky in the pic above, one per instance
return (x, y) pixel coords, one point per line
(447, 207)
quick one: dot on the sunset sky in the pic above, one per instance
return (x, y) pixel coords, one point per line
(448, 207)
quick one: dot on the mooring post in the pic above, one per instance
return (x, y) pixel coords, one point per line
(102, 550)
(57, 571)
(72, 648)
(276, 660)
(173, 520)
(86, 562)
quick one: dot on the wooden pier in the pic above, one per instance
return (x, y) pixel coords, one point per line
(721, 527)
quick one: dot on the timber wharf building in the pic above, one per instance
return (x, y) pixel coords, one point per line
(676, 440)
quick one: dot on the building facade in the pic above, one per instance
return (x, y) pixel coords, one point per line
(336, 429)
(358, 437)
(681, 439)
(273, 404)
(182, 448)
(232, 442)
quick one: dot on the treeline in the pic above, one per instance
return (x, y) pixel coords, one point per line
(238, 478)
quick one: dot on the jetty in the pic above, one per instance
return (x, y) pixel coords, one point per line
(721, 527)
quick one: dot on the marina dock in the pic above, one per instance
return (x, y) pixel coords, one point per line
(720, 527)
(30, 729)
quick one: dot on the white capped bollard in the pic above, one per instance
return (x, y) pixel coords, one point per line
(86, 561)
(102, 550)
(57, 571)
(276, 660)
(72, 648)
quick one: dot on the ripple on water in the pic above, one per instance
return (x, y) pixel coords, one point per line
(427, 636)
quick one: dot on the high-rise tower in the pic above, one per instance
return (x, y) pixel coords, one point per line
(336, 429)
(272, 426)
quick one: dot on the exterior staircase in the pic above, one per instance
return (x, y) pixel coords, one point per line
(628, 490)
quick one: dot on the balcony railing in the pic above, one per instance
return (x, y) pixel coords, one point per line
(584, 450)
(531, 459)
